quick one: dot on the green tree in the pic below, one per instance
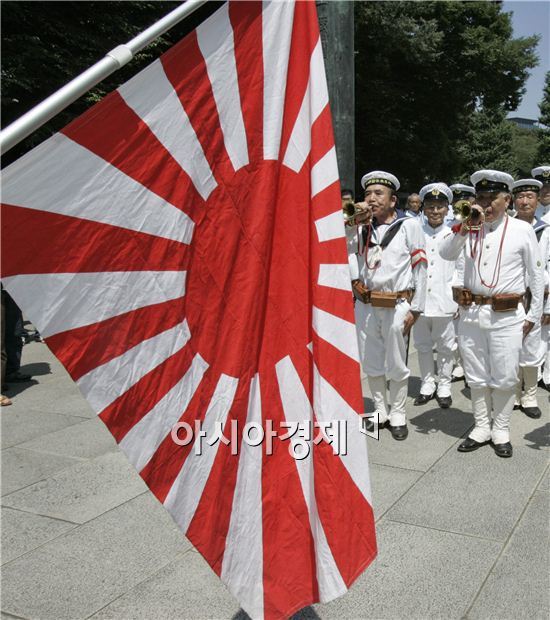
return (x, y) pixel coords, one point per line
(488, 143)
(46, 44)
(427, 75)
(524, 147)
(543, 151)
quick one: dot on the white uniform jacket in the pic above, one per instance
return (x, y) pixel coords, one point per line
(543, 212)
(440, 272)
(399, 266)
(520, 266)
(544, 245)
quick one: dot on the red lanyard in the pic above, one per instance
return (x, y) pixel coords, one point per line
(496, 271)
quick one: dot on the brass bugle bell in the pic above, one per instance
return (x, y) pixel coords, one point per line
(356, 215)
(462, 210)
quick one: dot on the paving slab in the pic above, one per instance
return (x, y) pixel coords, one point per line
(476, 493)
(388, 485)
(432, 431)
(21, 468)
(79, 573)
(20, 424)
(419, 573)
(544, 484)
(61, 398)
(187, 589)
(519, 585)
(88, 439)
(22, 532)
(82, 492)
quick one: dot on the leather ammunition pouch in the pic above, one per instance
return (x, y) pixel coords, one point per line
(462, 296)
(360, 291)
(505, 302)
(380, 299)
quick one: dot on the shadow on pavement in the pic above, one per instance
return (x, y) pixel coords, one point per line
(13, 389)
(36, 369)
(452, 422)
(539, 437)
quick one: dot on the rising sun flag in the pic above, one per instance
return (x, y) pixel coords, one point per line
(181, 248)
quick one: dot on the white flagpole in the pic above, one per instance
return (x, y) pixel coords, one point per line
(115, 59)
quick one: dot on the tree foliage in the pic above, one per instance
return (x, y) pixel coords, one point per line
(543, 151)
(429, 75)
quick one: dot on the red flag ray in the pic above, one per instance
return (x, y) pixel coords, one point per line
(79, 245)
(83, 349)
(187, 263)
(112, 129)
(290, 578)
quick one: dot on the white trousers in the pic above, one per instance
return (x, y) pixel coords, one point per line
(382, 347)
(439, 332)
(491, 366)
(490, 356)
(383, 352)
(545, 331)
(534, 348)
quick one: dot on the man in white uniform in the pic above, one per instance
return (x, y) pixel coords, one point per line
(500, 259)
(460, 192)
(389, 281)
(435, 325)
(526, 192)
(542, 174)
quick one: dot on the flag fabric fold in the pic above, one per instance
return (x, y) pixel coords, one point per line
(180, 246)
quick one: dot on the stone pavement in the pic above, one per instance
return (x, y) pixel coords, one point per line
(459, 535)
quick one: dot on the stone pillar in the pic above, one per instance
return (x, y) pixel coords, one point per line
(337, 35)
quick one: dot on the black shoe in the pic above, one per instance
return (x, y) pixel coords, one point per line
(399, 432)
(532, 412)
(469, 445)
(422, 399)
(444, 401)
(503, 449)
(544, 386)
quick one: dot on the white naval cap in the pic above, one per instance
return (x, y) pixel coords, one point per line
(461, 191)
(527, 185)
(492, 181)
(542, 174)
(436, 191)
(379, 177)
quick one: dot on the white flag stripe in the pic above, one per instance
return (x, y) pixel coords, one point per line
(324, 172)
(104, 384)
(58, 302)
(185, 493)
(313, 103)
(60, 176)
(277, 22)
(143, 439)
(329, 406)
(216, 42)
(339, 333)
(297, 408)
(153, 98)
(242, 565)
(299, 144)
(334, 276)
(331, 226)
